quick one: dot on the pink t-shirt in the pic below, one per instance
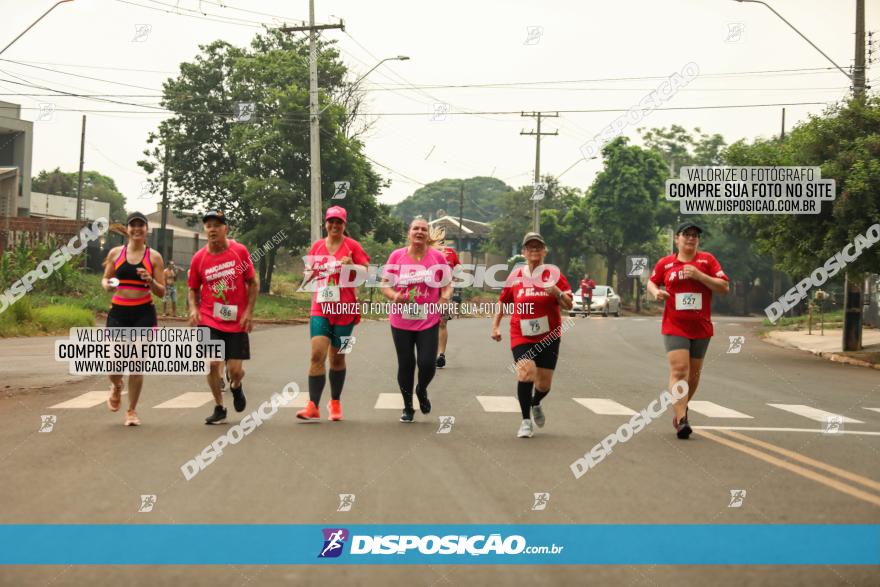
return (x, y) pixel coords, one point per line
(412, 276)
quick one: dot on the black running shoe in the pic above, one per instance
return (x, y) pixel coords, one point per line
(424, 402)
(683, 429)
(441, 360)
(407, 415)
(218, 416)
(238, 399)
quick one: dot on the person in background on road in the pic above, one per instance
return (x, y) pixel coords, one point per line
(690, 278)
(453, 262)
(171, 273)
(414, 327)
(587, 287)
(222, 275)
(538, 301)
(132, 283)
(329, 326)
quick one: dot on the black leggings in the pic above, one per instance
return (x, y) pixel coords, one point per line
(406, 343)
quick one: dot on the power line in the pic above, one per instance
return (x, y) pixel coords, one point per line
(790, 71)
(469, 113)
(200, 15)
(97, 79)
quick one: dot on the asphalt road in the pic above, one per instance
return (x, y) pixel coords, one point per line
(91, 469)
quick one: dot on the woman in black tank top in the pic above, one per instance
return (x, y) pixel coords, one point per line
(133, 273)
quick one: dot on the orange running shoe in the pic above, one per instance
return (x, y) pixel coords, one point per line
(114, 398)
(131, 418)
(310, 412)
(335, 411)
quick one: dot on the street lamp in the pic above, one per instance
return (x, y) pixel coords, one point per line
(315, 136)
(32, 25)
(360, 79)
(850, 77)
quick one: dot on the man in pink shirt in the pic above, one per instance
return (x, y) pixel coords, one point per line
(222, 277)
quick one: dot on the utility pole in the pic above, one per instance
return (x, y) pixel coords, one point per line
(163, 237)
(460, 215)
(782, 132)
(79, 189)
(859, 62)
(852, 284)
(536, 213)
(314, 115)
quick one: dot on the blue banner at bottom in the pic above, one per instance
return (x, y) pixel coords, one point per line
(612, 544)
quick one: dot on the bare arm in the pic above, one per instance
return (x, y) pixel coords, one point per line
(253, 288)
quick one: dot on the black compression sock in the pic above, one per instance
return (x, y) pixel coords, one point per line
(539, 395)
(337, 380)
(316, 387)
(524, 395)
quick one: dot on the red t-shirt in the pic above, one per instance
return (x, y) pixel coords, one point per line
(693, 316)
(587, 287)
(451, 257)
(220, 280)
(545, 317)
(329, 267)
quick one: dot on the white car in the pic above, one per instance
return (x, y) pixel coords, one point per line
(605, 302)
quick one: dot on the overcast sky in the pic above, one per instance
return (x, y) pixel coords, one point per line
(450, 43)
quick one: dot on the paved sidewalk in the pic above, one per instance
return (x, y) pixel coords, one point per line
(829, 345)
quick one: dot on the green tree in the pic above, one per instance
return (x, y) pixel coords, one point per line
(95, 186)
(623, 203)
(257, 171)
(482, 197)
(845, 143)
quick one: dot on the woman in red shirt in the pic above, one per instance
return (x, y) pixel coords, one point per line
(334, 311)
(690, 278)
(535, 327)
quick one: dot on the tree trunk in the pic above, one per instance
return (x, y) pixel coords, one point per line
(269, 270)
(262, 269)
(638, 295)
(609, 275)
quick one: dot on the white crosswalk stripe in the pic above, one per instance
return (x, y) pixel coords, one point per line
(190, 399)
(389, 401)
(604, 406)
(489, 403)
(498, 403)
(89, 399)
(814, 413)
(299, 401)
(713, 410)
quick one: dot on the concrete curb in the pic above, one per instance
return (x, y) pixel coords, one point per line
(835, 357)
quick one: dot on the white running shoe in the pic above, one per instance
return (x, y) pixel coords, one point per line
(525, 429)
(538, 416)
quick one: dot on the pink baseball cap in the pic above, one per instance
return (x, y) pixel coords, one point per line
(336, 212)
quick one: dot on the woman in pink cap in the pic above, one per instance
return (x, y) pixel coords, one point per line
(334, 310)
(413, 278)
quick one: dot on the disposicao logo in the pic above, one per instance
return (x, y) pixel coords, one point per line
(334, 541)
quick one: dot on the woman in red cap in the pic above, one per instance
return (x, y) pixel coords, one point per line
(334, 310)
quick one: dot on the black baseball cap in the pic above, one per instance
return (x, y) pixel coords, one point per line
(688, 224)
(136, 216)
(215, 214)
